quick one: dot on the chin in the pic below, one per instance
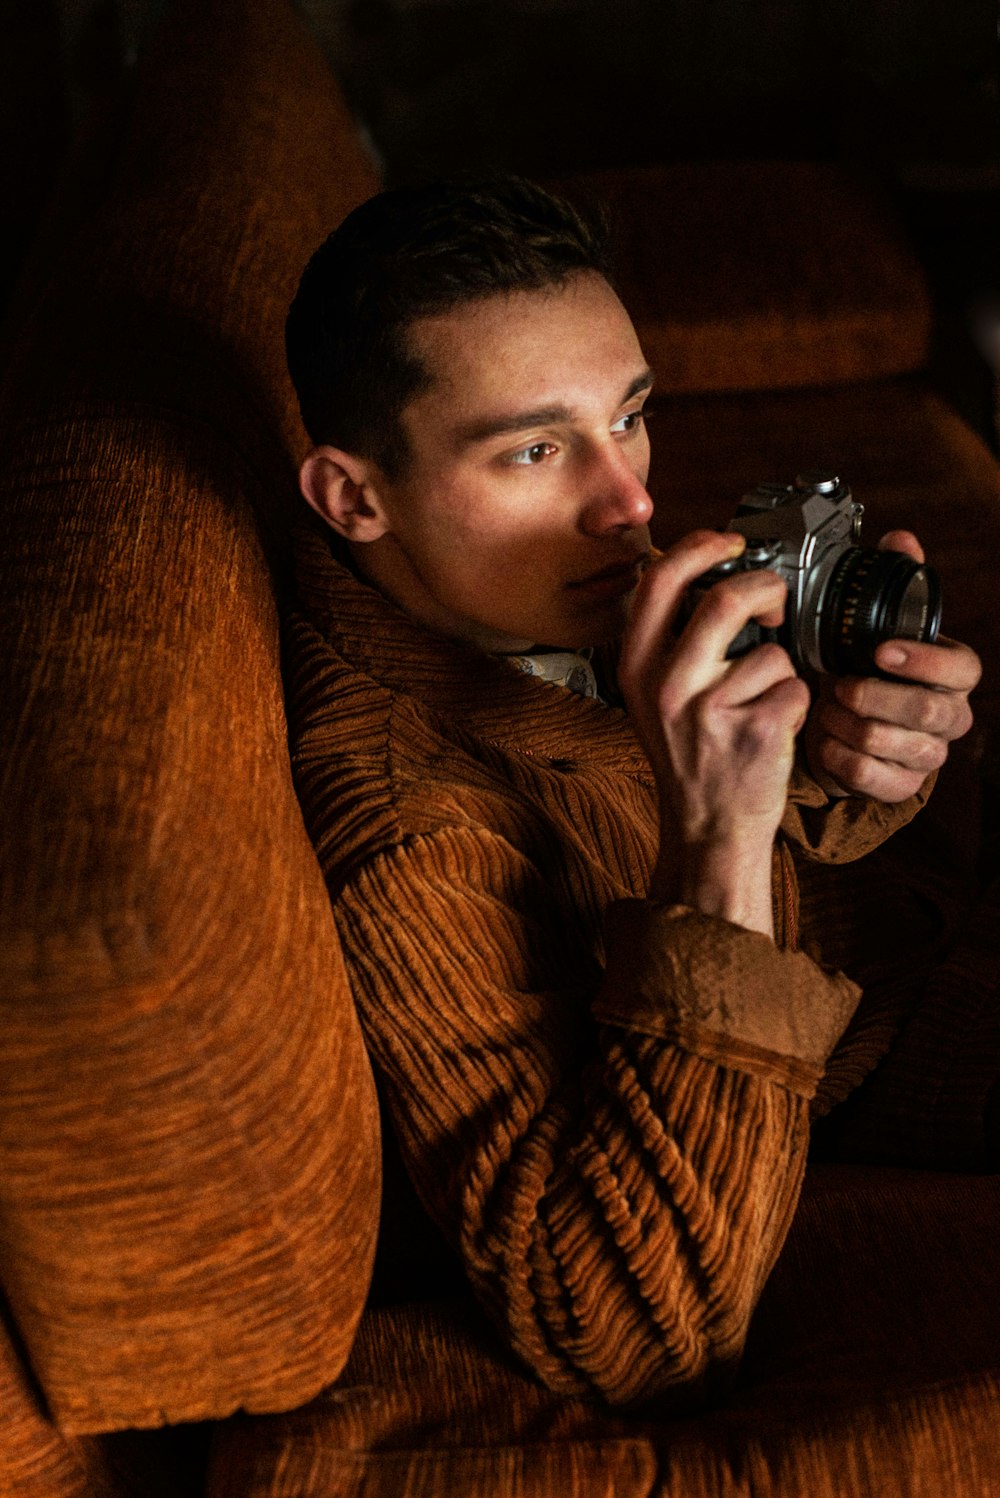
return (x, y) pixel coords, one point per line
(591, 626)
(600, 627)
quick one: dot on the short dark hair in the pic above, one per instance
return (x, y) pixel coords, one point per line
(408, 253)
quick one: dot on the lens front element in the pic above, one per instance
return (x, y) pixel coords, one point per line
(873, 596)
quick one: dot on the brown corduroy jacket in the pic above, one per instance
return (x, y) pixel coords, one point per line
(602, 1101)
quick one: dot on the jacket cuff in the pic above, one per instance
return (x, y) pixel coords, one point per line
(839, 829)
(722, 992)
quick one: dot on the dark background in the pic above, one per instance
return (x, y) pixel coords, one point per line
(906, 92)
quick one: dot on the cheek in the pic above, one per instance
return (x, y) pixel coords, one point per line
(507, 566)
(510, 580)
(474, 543)
(493, 537)
(467, 563)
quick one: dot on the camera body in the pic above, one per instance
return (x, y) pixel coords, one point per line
(843, 599)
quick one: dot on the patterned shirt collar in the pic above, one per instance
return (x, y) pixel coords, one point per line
(566, 668)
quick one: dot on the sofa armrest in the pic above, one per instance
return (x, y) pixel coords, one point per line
(188, 1129)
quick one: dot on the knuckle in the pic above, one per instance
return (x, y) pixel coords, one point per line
(958, 721)
(943, 716)
(799, 697)
(935, 755)
(871, 739)
(922, 756)
(904, 785)
(966, 668)
(852, 693)
(694, 541)
(705, 713)
(932, 715)
(850, 768)
(776, 658)
(721, 602)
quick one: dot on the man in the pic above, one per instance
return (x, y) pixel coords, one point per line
(569, 911)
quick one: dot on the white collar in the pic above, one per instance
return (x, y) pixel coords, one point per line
(566, 668)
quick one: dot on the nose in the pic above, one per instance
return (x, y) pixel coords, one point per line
(617, 498)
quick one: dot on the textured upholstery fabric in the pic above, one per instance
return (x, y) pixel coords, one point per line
(37, 1460)
(188, 1130)
(239, 159)
(761, 275)
(850, 1386)
(188, 1179)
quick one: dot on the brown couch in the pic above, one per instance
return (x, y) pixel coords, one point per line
(189, 1192)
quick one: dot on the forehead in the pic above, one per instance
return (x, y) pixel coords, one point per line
(568, 342)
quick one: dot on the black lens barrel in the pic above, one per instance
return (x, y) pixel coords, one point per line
(873, 596)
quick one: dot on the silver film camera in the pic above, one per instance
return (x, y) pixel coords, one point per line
(843, 599)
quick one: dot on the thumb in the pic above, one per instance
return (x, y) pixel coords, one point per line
(904, 541)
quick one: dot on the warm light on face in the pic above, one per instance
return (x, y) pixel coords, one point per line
(523, 514)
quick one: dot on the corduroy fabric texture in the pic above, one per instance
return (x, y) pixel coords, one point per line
(188, 1129)
(601, 1100)
(757, 275)
(873, 1369)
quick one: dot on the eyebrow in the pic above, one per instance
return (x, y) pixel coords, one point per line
(539, 416)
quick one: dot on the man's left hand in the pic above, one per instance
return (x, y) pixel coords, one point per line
(870, 737)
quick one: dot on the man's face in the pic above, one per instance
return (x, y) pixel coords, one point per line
(522, 518)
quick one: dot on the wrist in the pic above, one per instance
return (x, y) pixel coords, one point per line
(729, 879)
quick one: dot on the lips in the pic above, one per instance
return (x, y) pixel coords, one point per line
(624, 572)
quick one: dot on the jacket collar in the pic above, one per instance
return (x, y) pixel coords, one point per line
(477, 692)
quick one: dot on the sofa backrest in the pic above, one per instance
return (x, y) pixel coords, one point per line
(188, 1129)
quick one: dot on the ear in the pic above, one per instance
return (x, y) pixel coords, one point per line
(340, 487)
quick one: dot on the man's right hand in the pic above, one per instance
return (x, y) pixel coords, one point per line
(720, 734)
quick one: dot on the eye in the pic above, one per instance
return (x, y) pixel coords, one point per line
(536, 453)
(630, 422)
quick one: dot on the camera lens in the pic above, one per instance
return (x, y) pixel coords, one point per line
(874, 596)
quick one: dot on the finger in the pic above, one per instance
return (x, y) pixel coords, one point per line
(768, 724)
(724, 611)
(904, 541)
(757, 672)
(888, 742)
(864, 775)
(940, 714)
(946, 664)
(662, 585)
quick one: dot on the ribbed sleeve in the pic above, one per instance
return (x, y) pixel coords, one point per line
(722, 992)
(617, 1199)
(602, 1102)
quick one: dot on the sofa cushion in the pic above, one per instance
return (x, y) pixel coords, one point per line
(761, 275)
(874, 1367)
(188, 1129)
(37, 1460)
